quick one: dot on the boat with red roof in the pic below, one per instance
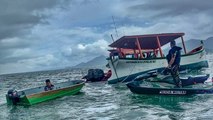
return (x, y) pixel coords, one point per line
(133, 55)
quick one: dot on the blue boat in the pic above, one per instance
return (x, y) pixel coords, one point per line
(165, 86)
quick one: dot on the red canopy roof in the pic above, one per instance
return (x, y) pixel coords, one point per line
(146, 41)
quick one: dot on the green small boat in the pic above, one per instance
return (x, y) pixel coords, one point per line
(37, 95)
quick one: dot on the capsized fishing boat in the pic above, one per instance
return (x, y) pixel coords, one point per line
(138, 54)
(37, 95)
(164, 85)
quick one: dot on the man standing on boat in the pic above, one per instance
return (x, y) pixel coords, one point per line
(173, 59)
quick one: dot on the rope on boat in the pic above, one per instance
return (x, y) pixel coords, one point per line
(114, 68)
(130, 72)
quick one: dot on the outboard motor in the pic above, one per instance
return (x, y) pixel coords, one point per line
(13, 96)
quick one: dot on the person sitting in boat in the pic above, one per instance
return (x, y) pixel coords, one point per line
(173, 59)
(49, 85)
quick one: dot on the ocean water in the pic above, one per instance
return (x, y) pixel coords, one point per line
(101, 101)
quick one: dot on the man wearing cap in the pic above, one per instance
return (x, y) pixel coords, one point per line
(173, 59)
(49, 85)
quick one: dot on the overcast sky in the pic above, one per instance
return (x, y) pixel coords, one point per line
(50, 34)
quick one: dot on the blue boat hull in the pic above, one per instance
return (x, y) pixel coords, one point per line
(143, 87)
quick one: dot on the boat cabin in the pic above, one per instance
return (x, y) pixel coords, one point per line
(145, 46)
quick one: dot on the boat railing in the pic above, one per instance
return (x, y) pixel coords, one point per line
(151, 55)
(146, 55)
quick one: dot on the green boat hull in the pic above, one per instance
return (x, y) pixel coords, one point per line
(166, 85)
(35, 98)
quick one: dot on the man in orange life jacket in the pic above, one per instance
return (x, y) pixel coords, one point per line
(173, 59)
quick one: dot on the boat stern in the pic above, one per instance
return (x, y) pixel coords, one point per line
(14, 97)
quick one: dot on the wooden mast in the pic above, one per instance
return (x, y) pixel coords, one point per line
(159, 46)
(139, 47)
(183, 44)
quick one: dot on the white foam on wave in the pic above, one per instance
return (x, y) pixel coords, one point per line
(201, 108)
(100, 108)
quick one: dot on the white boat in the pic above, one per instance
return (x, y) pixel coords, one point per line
(135, 55)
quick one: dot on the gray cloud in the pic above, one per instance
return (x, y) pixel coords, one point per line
(16, 17)
(166, 8)
(50, 34)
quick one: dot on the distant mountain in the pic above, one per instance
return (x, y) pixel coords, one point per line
(97, 62)
(208, 43)
(193, 43)
(209, 51)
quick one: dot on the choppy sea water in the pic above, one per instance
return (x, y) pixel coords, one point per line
(101, 101)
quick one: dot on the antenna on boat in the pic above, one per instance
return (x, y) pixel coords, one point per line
(115, 26)
(112, 38)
